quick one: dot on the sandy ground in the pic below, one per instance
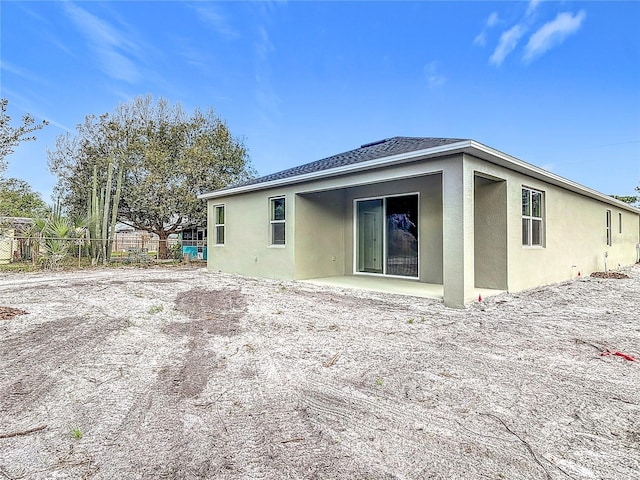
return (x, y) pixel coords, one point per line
(175, 373)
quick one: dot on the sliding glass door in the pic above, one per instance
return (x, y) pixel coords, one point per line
(387, 235)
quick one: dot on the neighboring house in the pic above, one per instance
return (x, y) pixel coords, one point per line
(449, 212)
(191, 241)
(127, 239)
(12, 241)
(194, 242)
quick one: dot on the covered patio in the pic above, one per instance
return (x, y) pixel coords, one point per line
(398, 286)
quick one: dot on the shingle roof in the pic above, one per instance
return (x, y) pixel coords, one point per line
(369, 151)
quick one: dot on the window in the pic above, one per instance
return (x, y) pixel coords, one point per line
(620, 223)
(532, 218)
(277, 220)
(608, 225)
(218, 218)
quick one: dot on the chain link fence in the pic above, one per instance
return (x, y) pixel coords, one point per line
(124, 249)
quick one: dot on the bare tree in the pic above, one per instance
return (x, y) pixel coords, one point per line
(10, 136)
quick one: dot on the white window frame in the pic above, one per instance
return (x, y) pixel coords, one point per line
(273, 222)
(530, 218)
(608, 227)
(216, 225)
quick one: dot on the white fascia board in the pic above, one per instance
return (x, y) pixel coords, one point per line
(343, 170)
(499, 158)
(467, 146)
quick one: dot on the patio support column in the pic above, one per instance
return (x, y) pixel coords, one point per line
(458, 234)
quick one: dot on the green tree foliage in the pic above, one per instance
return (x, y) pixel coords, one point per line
(10, 136)
(167, 158)
(17, 199)
(630, 199)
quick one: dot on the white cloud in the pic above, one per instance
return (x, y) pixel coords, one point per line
(266, 96)
(266, 93)
(508, 41)
(553, 33)
(111, 46)
(33, 13)
(23, 73)
(434, 78)
(263, 45)
(481, 38)
(436, 81)
(32, 103)
(533, 5)
(212, 17)
(93, 27)
(493, 19)
(549, 167)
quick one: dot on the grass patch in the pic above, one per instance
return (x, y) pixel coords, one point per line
(71, 264)
(19, 267)
(156, 309)
(76, 433)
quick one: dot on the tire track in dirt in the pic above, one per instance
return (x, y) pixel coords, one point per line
(268, 434)
(172, 414)
(261, 431)
(94, 374)
(44, 347)
(190, 392)
(384, 422)
(390, 433)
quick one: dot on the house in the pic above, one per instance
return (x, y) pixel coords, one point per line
(13, 240)
(449, 214)
(194, 242)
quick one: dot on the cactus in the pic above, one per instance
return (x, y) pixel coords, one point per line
(102, 214)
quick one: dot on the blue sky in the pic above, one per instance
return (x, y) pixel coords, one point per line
(556, 84)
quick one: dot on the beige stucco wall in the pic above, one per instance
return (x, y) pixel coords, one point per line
(470, 228)
(458, 233)
(575, 239)
(429, 189)
(574, 232)
(246, 250)
(490, 225)
(323, 246)
(320, 234)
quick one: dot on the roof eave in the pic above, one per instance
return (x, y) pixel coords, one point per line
(343, 170)
(467, 146)
(507, 161)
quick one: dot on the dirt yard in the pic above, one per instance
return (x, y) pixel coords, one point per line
(175, 373)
